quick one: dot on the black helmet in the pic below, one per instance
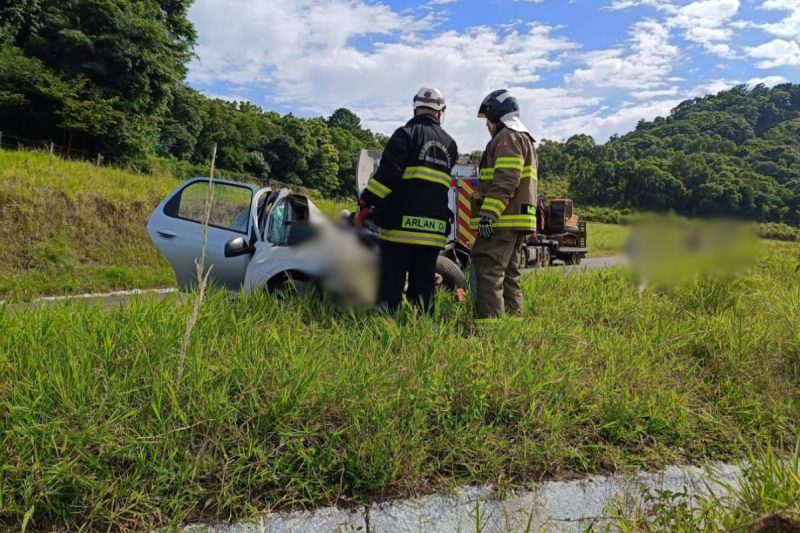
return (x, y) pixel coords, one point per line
(497, 105)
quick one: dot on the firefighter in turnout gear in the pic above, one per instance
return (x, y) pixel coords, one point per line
(503, 208)
(409, 197)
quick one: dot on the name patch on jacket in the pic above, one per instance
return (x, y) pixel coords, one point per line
(528, 209)
(425, 224)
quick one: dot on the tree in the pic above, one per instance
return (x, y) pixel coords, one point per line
(345, 119)
(119, 61)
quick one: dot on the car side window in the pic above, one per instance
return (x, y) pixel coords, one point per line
(230, 206)
(277, 225)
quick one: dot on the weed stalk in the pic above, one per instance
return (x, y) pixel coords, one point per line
(202, 276)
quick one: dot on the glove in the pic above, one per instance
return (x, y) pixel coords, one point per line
(485, 229)
(363, 213)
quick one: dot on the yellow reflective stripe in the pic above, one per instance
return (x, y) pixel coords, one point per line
(516, 222)
(510, 159)
(378, 189)
(495, 206)
(413, 237)
(530, 173)
(427, 174)
(515, 163)
(525, 222)
(486, 174)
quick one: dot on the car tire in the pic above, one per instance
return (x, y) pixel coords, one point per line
(452, 277)
(288, 284)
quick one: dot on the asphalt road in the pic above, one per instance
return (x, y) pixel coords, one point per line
(110, 299)
(595, 263)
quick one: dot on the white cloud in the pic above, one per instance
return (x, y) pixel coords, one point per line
(226, 97)
(601, 124)
(645, 67)
(709, 23)
(317, 55)
(242, 41)
(712, 87)
(655, 93)
(309, 62)
(789, 27)
(627, 4)
(769, 81)
(776, 53)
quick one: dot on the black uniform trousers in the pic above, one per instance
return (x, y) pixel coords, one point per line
(419, 263)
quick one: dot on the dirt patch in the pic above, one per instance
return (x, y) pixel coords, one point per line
(777, 523)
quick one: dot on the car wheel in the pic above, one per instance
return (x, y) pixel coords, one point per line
(448, 275)
(290, 284)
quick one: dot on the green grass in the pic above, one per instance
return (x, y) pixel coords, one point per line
(765, 499)
(73, 227)
(606, 239)
(288, 404)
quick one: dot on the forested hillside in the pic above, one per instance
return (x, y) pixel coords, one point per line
(736, 153)
(107, 76)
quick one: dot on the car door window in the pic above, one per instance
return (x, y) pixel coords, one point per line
(230, 206)
(278, 223)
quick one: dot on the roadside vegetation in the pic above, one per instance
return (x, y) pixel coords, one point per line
(289, 404)
(765, 499)
(69, 227)
(606, 239)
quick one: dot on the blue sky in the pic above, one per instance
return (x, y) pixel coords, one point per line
(577, 66)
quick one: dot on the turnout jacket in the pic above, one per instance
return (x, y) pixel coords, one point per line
(410, 188)
(508, 178)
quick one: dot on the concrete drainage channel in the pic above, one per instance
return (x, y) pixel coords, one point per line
(551, 506)
(106, 299)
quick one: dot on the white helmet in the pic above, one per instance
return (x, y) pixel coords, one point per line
(431, 98)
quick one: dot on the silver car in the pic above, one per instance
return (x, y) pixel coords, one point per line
(259, 238)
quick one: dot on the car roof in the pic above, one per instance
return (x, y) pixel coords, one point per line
(250, 186)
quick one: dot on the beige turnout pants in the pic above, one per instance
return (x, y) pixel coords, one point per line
(498, 269)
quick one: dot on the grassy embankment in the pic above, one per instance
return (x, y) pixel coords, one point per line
(285, 405)
(70, 227)
(73, 227)
(606, 239)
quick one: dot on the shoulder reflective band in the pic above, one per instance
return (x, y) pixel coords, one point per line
(514, 163)
(495, 206)
(427, 174)
(486, 174)
(413, 237)
(530, 173)
(378, 189)
(425, 224)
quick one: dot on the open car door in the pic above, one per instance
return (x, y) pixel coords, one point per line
(175, 227)
(368, 161)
